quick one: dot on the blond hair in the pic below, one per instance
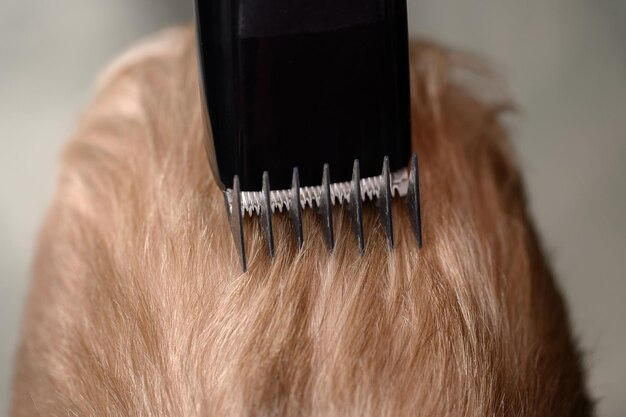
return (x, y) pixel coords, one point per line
(139, 306)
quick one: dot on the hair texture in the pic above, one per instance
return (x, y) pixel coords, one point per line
(139, 307)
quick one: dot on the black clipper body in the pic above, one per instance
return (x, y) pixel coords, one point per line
(315, 97)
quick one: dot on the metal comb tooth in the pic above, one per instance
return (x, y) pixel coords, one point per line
(266, 214)
(413, 200)
(295, 210)
(325, 208)
(356, 205)
(384, 202)
(235, 218)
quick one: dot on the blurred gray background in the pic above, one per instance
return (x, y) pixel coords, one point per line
(564, 62)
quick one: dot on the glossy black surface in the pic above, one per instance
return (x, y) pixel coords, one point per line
(301, 83)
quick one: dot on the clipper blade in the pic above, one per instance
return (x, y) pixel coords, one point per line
(379, 189)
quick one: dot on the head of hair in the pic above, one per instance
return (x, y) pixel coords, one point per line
(139, 307)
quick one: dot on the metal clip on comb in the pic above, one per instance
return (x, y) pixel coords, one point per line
(309, 107)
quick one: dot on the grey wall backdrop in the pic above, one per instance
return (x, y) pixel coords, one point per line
(565, 64)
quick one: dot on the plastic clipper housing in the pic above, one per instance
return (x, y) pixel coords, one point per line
(296, 91)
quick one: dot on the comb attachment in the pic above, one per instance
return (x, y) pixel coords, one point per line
(380, 189)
